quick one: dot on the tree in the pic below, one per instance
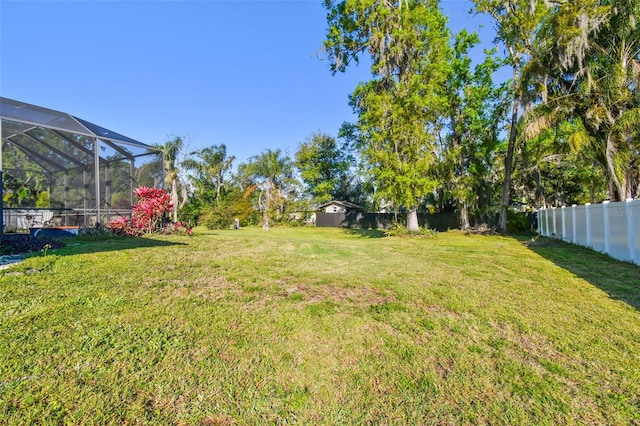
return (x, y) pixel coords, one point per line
(555, 170)
(475, 109)
(171, 150)
(271, 175)
(516, 23)
(210, 168)
(323, 168)
(586, 68)
(407, 41)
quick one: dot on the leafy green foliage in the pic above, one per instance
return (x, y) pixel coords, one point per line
(586, 69)
(323, 168)
(398, 230)
(516, 23)
(268, 178)
(223, 214)
(474, 113)
(519, 222)
(397, 111)
(209, 170)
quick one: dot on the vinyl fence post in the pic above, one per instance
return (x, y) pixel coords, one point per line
(546, 221)
(553, 214)
(630, 231)
(587, 207)
(607, 236)
(564, 221)
(574, 226)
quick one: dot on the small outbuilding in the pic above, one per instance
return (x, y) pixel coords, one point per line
(336, 206)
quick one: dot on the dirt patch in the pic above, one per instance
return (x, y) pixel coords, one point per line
(215, 288)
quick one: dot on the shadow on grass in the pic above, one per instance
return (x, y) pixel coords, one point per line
(364, 233)
(621, 280)
(85, 244)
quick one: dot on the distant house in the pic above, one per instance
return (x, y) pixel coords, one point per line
(335, 206)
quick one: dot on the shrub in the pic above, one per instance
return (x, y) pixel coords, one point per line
(217, 217)
(400, 230)
(152, 211)
(149, 215)
(519, 223)
(222, 215)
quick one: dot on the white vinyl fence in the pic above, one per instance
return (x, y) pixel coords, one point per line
(611, 228)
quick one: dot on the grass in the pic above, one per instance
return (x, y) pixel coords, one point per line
(319, 326)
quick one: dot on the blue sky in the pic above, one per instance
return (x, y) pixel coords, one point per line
(242, 73)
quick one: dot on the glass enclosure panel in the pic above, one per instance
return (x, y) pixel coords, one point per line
(10, 128)
(106, 133)
(43, 154)
(75, 155)
(49, 164)
(148, 171)
(38, 115)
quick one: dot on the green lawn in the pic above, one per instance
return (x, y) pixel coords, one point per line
(319, 326)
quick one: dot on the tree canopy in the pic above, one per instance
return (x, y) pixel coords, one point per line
(434, 129)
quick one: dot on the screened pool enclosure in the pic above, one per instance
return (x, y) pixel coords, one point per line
(60, 170)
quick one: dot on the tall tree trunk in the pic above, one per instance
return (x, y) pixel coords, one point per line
(412, 220)
(612, 190)
(464, 215)
(174, 197)
(218, 188)
(508, 163)
(613, 177)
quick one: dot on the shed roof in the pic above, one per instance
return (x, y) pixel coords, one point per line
(345, 204)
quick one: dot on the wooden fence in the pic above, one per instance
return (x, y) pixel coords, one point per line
(437, 221)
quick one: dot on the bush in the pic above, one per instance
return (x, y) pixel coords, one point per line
(190, 212)
(152, 211)
(519, 223)
(149, 215)
(222, 215)
(217, 217)
(400, 230)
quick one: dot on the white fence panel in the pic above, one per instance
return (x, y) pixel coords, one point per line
(542, 222)
(567, 224)
(596, 223)
(611, 228)
(581, 226)
(634, 218)
(618, 231)
(557, 223)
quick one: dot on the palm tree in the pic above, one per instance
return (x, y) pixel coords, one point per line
(592, 76)
(171, 149)
(269, 173)
(209, 170)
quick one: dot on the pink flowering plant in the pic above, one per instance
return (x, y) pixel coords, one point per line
(181, 227)
(149, 215)
(151, 212)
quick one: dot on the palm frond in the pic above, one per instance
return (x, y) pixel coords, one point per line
(578, 140)
(628, 125)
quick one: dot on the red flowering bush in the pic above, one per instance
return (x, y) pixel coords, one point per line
(182, 227)
(150, 214)
(121, 226)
